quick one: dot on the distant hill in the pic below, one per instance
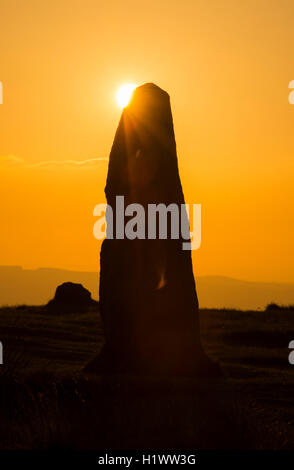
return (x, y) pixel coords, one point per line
(37, 286)
(226, 292)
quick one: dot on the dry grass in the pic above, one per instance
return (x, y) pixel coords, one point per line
(47, 403)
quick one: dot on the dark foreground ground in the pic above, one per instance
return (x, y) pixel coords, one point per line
(46, 402)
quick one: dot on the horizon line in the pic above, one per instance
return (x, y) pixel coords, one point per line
(220, 276)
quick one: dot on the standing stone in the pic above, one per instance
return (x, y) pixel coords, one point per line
(148, 299)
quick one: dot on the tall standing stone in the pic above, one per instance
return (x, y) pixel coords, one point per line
(148, 298)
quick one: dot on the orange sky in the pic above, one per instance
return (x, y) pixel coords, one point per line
(226, 66)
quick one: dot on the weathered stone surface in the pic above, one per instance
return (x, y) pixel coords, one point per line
(148, 298)
(70, 296)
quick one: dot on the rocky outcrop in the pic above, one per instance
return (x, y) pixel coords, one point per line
(71, 297)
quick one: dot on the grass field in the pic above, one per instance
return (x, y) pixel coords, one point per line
(47, 402)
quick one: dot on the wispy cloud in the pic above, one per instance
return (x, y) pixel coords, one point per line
(75, 163)
(10, 161)
(13, 161)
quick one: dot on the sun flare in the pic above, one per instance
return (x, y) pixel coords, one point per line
(124, 94)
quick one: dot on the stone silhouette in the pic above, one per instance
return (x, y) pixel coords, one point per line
(71, 297)
(148, 299)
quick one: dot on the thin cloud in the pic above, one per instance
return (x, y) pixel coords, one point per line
(74, 163)
(11, 161)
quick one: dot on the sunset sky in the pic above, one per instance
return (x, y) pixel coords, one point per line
(226, 66)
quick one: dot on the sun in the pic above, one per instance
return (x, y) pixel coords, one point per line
(124, 94)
